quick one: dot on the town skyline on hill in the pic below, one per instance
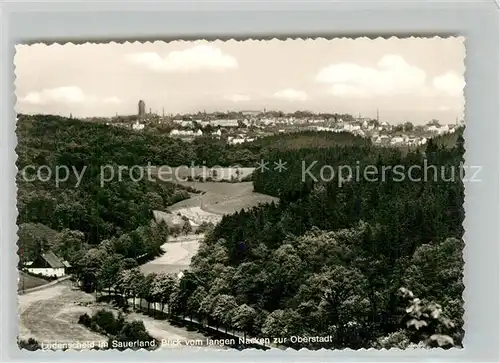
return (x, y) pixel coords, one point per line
(412, 80)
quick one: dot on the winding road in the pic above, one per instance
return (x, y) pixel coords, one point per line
(51, 314)
(177, 257)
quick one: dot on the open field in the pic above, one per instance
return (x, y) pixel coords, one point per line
(28, 282)
(222, 198)
(182, 173)
(222, 188)
(216, 200)
(235, 204)
(218, 197)
(51, 315)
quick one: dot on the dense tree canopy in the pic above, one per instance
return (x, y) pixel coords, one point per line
(330, 258)
(369, 261)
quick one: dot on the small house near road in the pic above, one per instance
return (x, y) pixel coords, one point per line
(48, 264)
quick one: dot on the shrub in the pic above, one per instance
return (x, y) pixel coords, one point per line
(247, 178)
(205, 227)
(135, 331)
(85, 320)
(175, 230)
(107, 322)
(426, 322)
(179, 196)
(30, 344)
(186, 227)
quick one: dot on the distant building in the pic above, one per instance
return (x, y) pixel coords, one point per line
(444, 129)
(432, 128)
(250, 112)
(142, 108)
(184, 123)
(48, 264)
(351, 127)
(224, 123)
(137, 126)
(329, 129)
(235, 141)
(238, 140)
(267, 121)
(397, 140)
(176, 132)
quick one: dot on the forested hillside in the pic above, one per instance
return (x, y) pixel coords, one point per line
(309, 140)
(121, 205)
(451, 139)
(373, 263)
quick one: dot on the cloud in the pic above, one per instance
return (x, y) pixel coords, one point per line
(65, 94)
(449, 83)
(344, 90)
(197, 58)
(237, 98)
(112, 100)
(392, 76)
(68, 94)
(290, 94)
(444, 108)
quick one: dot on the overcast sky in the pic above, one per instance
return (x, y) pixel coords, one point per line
(406, 79)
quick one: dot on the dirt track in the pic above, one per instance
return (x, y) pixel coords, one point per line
(51, 315)
(177, 256)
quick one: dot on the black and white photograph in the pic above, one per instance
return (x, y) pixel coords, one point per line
(241, 194)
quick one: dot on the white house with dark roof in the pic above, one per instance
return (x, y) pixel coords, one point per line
(47, 264)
